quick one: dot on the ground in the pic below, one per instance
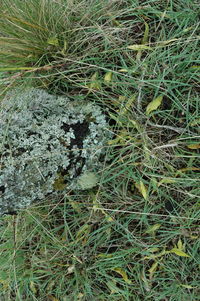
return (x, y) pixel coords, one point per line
(136, 235)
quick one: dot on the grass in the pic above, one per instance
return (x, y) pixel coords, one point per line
(135, 236)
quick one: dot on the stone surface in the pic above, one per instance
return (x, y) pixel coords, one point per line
(47, 144)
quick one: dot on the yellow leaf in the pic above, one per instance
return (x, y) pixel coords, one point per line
(179, 252)
(193, 146)
(53, 41)
(187, 169)
(109, 219)
(71, 269)
(152, 269)
(123, 70)
(142, 189)
(52, 298)
(187, 286)
(104, 255)
(194, 236)
(95, 76)
(111, 284)
(153, 228)
(83, 231)
(164, 43)
(180, 245)
(147, 284)
(128, 105)
(80, 296)
(160, 254)
(154, 104)
(123, 274)
(4, 284)
(50, 286)
(114, 141)
(188, 29)
(33, 288)
(138, 47)
(121, 98)
(144, 40)
(59, 183)
(16, 68)
(94, 82)
(75, 205)
(146, 34)
(195, 67)
(65, 47)
(162, 15)
(97, 206)
(135, 124)
(114, 21)
(196, 121)
(153, 250)
(166, 181)
(108, 77)
(115, 118)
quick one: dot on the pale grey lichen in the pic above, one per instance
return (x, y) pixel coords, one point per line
(47, 143)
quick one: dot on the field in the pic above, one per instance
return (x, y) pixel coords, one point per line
(135, 236)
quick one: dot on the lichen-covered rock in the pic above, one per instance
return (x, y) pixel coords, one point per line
(47, 143)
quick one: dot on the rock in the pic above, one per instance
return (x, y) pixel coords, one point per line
(48, 144)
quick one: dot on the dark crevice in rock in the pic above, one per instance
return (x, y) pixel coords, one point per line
(2, 189)
(80, 129)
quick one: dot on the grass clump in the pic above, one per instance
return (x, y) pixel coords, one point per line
(136, 235)
(35, 33)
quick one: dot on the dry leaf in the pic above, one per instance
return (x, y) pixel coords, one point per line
(166, 181)
(195, 122)
(187, 169)
(147, 284)
(111, 284)
(154, 104)
(128, 105)
(152, 269)
(108, 77)
(194, 146)
(179, 252)
(33, 287)
(142, 189)
(94, 84)
(70, 269)
(187, 286)
(53, 41)
(146, 34)
(157, 255)
(164, 43)
(52, 298)
(138, 47)
(153, 228)
(123, 274)
(144, 39)
(123, 70)
(180, 245)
